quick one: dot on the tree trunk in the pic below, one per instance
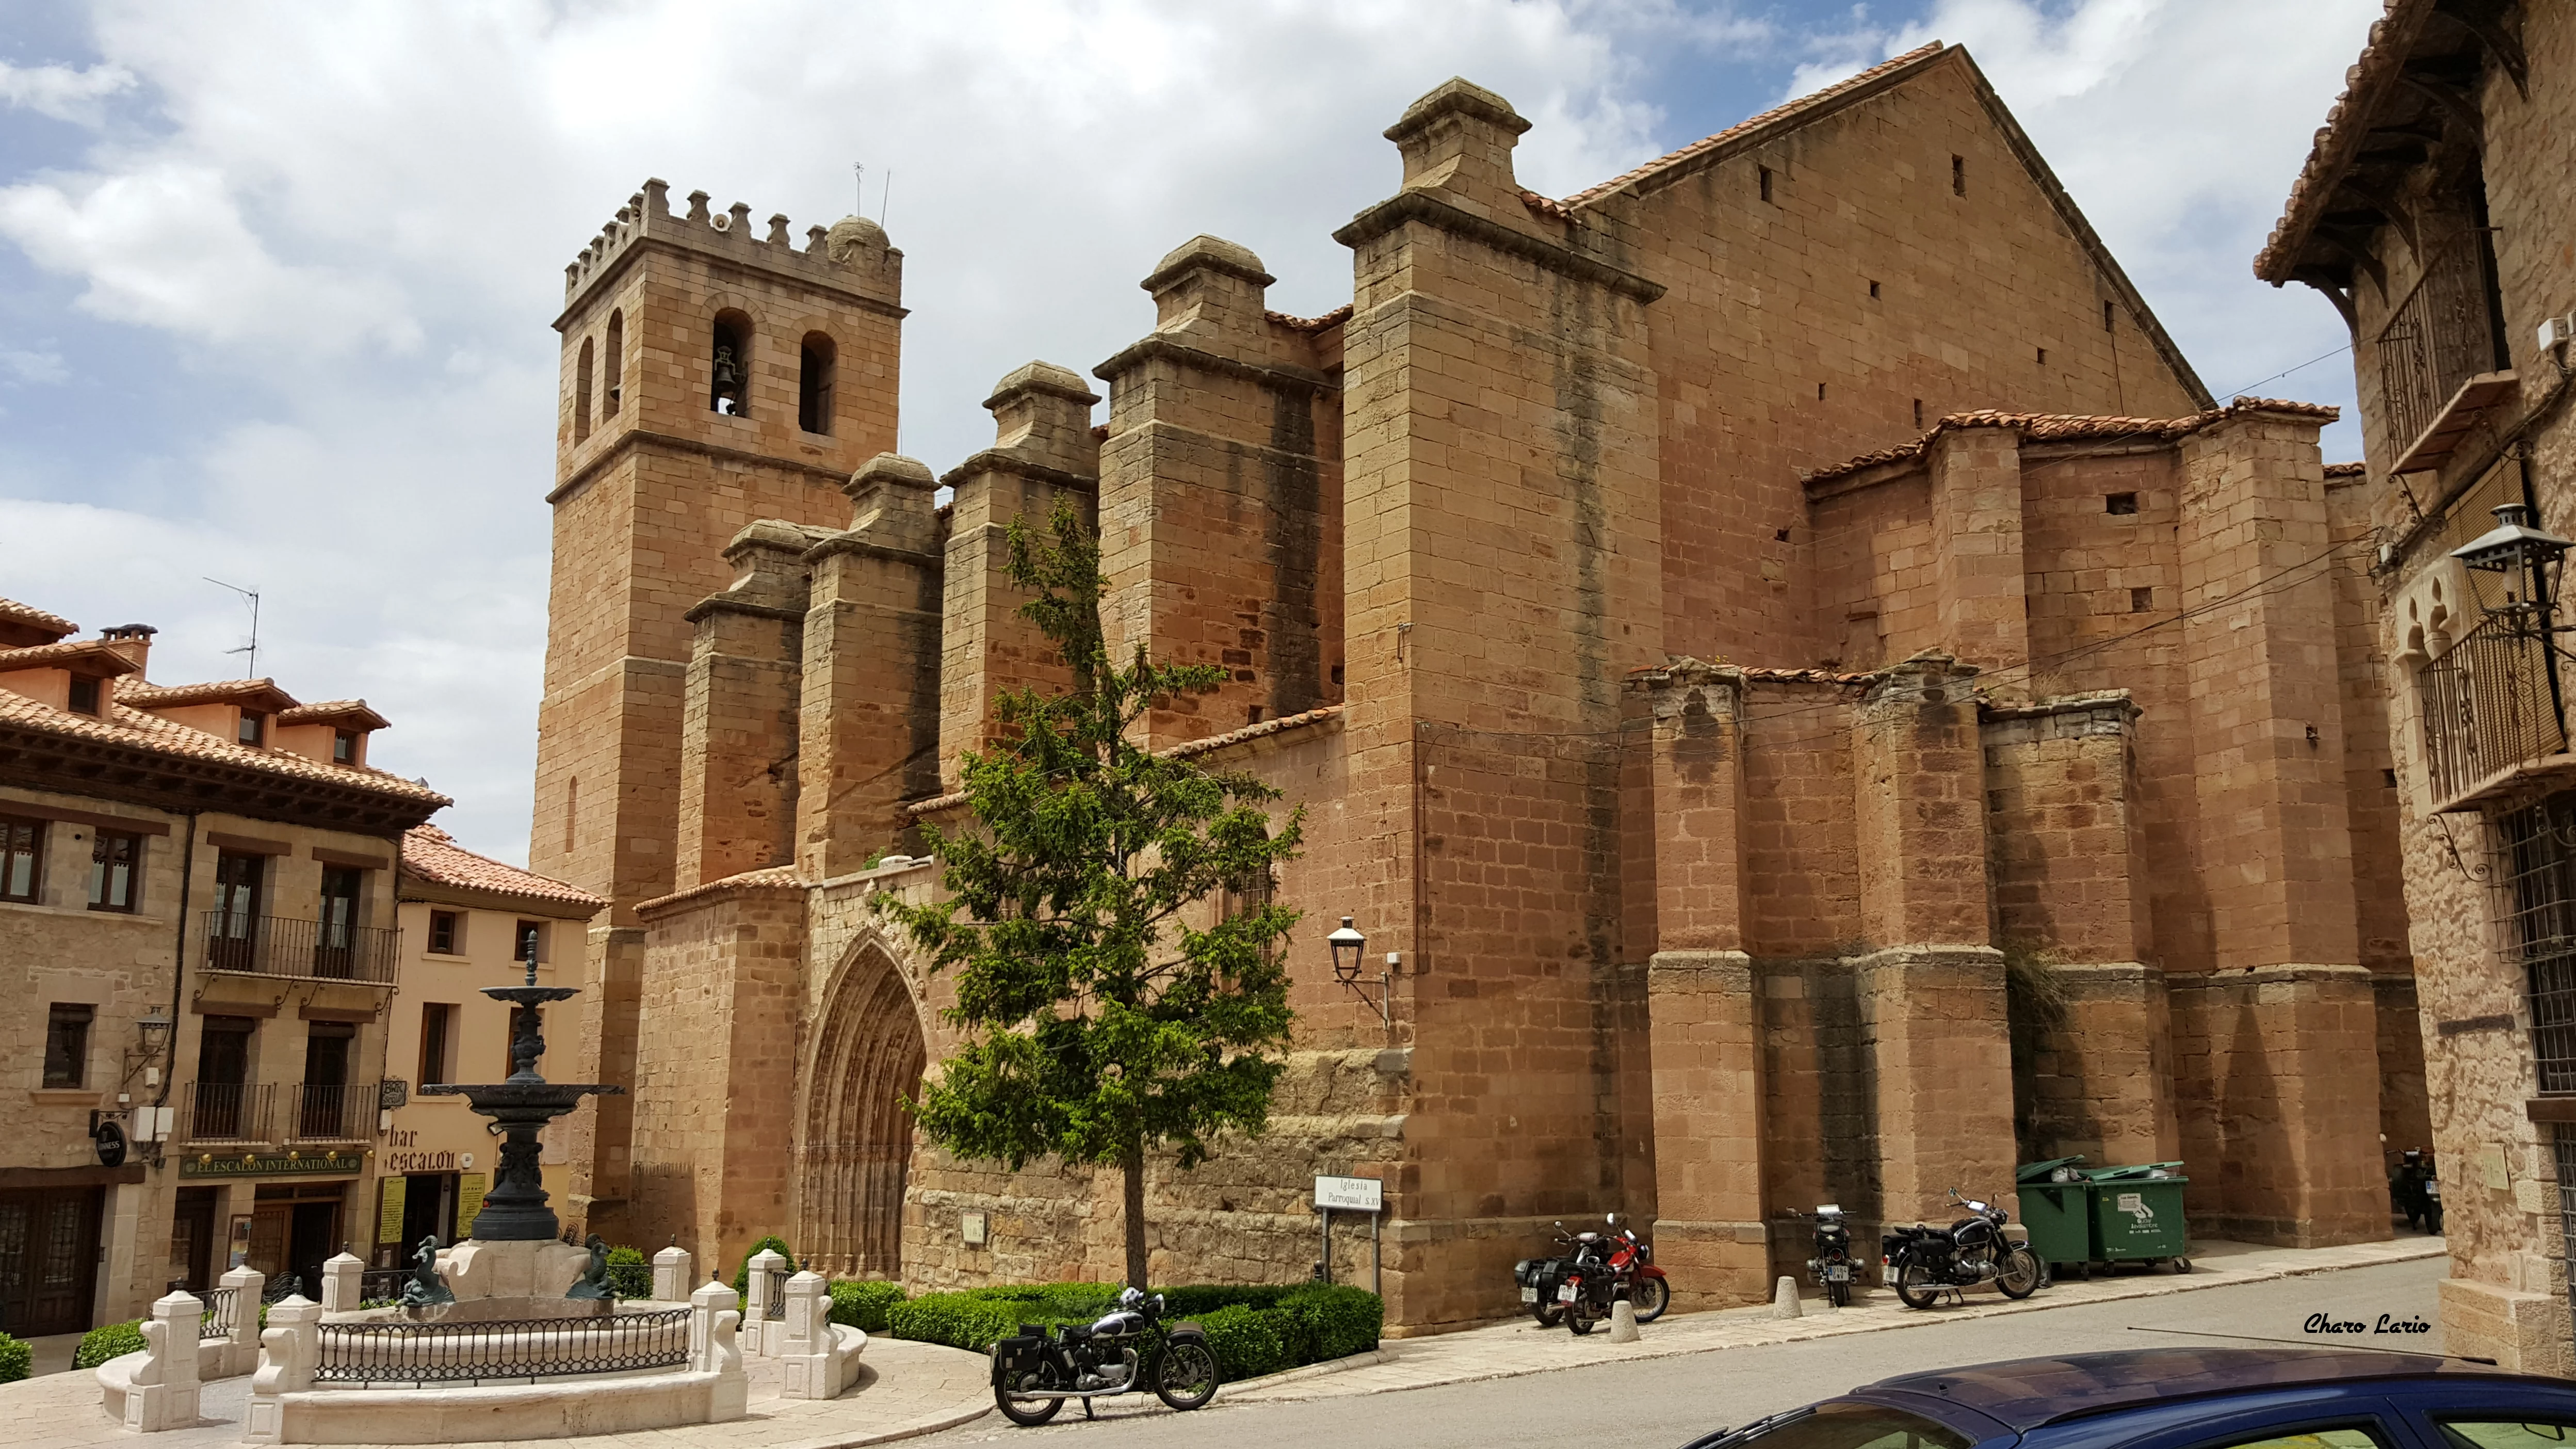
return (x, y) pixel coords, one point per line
(1132, 1167)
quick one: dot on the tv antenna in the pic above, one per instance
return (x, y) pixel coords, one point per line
(250, 669)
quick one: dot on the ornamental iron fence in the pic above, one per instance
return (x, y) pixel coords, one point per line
(2440, 336)
(2489, 704)
(425, 1353)
(237, 941)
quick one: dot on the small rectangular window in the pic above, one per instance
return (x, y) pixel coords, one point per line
(1765, 173)
(531, 945)
(67, 1045)
(2119, 503)
(435, 1018)
(344, 747)
(115, 870)
(1958, 176)
(22, 844)
(85, 697)
(2106, 316)
(254, 727)
(443, 934)
(1918, 412)
(2142, 601)
(2388, 778)
(1873, 291)
(1820, 392)
(2043, 356)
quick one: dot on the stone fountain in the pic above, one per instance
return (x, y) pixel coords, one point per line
(513, 1252)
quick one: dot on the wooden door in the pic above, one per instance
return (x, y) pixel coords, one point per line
(48, 1259)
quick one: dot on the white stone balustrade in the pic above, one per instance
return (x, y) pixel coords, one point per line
(759, 1330)
(714, 1322)
(290, 1350)
(343, 1277)
(805, 1351)
(161, 1391)
(241, 1345)
(672, 1271)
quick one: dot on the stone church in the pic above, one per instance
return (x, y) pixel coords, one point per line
(1804, 691)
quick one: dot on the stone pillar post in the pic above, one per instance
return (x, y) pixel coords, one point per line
(1932, 993)
(341, 1284)
(738, 781)
(757, 1326)
(290, 1350)
(1702, 1007)
(162, 1392)
(870, 734)
(1977, 545)
(241, 1348)
(671, 1274)
(805, 1350)
(714, 1323)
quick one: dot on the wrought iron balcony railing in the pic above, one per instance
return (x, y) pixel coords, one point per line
(312, 950)
(2490, 704)
(2440, 336)
(332, 1114)
(226, 1112)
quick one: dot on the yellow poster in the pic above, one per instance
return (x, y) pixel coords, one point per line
(389, 1209)
(469, 1203)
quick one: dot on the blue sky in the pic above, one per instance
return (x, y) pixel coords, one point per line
(275, 280)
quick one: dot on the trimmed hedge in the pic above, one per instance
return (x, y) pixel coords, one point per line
(107, 1341)
(17, 1360)
(864, 1304)
(1252, 1330)
(630, 1273)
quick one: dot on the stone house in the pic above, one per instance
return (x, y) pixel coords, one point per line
(197, 942)
(1724, 626)
(2433, 213)
(468, 921)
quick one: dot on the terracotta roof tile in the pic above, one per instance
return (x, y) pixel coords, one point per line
(1787, 111)
(57, 656)
(2367, 82)
(335, 711)
(431, 854)
(1546, 206)
(11, 611)
(2347, 470)
(214, 691)
(1263, 730)
(771, 878)
(2073, 427)
(1326, 322)
(135, 729)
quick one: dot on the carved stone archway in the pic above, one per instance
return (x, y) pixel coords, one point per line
(857, 1143)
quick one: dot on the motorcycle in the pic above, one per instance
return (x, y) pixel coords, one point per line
(1832, 1266)
(1578, 1288)
(1632, 1260)
(1035, 1371)
(1922, 1261)
(2415, 1189)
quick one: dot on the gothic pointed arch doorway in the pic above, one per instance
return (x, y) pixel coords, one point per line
(868, 1056)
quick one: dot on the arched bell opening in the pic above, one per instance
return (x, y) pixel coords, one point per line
(857, 1144)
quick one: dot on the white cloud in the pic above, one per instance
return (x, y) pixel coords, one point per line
(62, 92)
(24, 365)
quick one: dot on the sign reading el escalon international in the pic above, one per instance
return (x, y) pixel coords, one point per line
(268, 1164)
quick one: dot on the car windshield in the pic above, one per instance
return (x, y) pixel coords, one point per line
(1852, 1426)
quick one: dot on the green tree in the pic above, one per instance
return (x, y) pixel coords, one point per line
(1097, 1023)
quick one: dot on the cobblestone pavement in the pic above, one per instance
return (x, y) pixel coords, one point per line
(1522, 1347)
(905, 1389)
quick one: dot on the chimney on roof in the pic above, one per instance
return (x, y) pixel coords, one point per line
(134, 641)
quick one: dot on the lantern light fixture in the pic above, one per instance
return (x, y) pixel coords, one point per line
(1347, 944)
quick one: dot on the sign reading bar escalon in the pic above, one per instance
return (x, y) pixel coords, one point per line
(1349, 1194)
(269, 1164)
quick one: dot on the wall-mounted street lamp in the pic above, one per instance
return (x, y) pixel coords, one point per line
(152, 1033)
(2523, 555)
(1348, 947)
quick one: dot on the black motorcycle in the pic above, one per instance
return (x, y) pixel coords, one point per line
(1923, 1262)
(1035, 1371)
(1832, 1267)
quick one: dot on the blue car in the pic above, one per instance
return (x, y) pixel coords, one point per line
(2181, 1398)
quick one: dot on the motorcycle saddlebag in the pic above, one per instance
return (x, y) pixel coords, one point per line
(1018, 1355)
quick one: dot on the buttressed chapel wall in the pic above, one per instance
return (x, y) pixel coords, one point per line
(1757, 792)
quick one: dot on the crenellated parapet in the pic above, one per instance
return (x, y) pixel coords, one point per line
(852, 256)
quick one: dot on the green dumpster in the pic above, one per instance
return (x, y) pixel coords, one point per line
(2057, 1208)
(2137, 1214)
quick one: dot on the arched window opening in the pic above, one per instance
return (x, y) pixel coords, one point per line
(814, 384)
(729, 366)
(581, 394)
(615, 392)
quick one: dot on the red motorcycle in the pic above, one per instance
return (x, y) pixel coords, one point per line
(1604, 1268)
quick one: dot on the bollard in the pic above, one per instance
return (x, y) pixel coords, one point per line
(162, 1392)
(1623, 1322)
(759, 1334)
(341, 1277)
(671, 1275)
(1784, 1299)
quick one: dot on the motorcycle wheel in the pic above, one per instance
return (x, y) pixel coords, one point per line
(1915, 1285)
(1547, 1314)
(1186, 1377)
(1652, 1296)
(2020, 1274)
(1579, 1317)
(1838, 1293)
(1029, 1413)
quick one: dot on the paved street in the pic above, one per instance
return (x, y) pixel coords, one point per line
(1663, 1402)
